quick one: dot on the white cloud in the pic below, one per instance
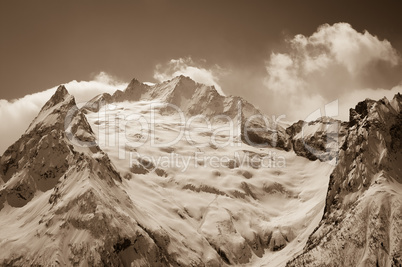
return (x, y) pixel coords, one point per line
(283, 76)
(350, 48)
(187, 67)
(335, 62)
(101, 83)
(16, 115)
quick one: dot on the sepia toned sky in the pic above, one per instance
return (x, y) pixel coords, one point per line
(45, 43)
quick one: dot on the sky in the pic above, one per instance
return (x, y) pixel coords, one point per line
(285, 57)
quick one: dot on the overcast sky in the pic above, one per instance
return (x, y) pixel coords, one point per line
(286, 57)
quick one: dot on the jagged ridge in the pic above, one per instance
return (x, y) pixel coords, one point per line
(198, 99)
(362, 224)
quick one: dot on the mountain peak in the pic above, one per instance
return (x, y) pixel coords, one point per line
(133, 91)
(178, 79)
(182, 77)
(134, 81)
(360, 111)
(184, 81)
(360, 206)
(60, 94)
(396, 102)
(55, 139)
(57, 106)
(61, 90)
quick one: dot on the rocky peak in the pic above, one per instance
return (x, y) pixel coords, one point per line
(360, 111)
(134, 84)
(397, 102)
(57, 188)
(368, 143)
(54, 110)
(60, 93)
(319, 139)
(58, 138)
(362, 193)
(184, 86)
(182, 78)
(59, 96)
(133, 92)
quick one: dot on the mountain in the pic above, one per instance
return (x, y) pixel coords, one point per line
(79, 202)
(318, 139)
(230, 196)
(60, 203)
(25, 166)
(362, 225)
(194, 99)
(127, 181)
(96, 103)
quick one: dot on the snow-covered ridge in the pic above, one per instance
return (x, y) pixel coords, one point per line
(362, 225)
(314, 140)
(60, 203)
(193, 99)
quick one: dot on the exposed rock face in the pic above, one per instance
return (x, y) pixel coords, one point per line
(362, 225)
(133, 92)
(96, 103)
(26, 165)
(265, 134)
(320, 139)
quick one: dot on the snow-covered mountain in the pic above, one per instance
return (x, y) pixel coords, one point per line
(60, 203)
(362, 222)
(175, 174)
(193, 99)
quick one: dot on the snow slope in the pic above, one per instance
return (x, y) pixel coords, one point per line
(60, 203)
(108, 192)
(190, 98)
(243, 208)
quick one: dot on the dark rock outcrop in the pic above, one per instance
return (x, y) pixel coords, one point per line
(361, 225)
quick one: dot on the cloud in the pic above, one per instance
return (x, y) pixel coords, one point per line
(101, 83)
(194, 70)
(335, 62)
(16, 115)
